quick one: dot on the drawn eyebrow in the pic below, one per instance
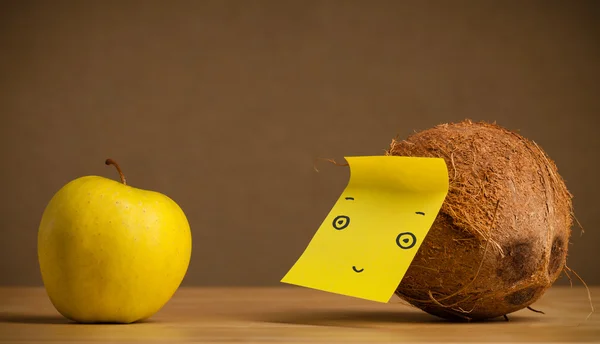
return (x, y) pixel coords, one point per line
(420, 213)
(349, 198)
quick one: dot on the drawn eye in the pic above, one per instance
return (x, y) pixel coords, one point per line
(406, 240)
(340, 222)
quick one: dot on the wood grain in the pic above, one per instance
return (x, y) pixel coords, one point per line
(298, 315)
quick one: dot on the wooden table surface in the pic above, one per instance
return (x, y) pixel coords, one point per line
(296, 315)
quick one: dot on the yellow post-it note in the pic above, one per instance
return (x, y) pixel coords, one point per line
(366, 243)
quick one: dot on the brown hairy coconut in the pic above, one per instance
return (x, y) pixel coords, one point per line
(500, 239)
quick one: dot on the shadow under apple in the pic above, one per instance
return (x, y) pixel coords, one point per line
(51, 319)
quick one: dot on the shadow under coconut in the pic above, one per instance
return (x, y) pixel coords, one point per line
(357, 318)
(50, 319)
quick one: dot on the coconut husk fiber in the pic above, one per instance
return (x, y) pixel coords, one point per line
(500, 239)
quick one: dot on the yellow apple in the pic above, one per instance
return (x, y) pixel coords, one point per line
(112, 253)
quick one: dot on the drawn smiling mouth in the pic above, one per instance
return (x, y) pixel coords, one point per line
(357, 270)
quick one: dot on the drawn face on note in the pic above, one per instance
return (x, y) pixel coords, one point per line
(404, 240)
(369, 238)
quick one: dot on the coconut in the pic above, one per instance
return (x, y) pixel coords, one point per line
(500, 239)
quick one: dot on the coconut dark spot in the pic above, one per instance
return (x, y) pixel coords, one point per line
(522, 296)
(517, 266)
(557, 255)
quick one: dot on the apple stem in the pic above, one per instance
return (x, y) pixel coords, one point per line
(114, 163)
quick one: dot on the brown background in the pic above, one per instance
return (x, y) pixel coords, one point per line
(223, 105)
